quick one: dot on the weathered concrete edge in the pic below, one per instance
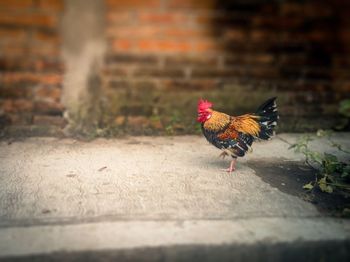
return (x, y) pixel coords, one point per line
(287, 252)
(95, 237)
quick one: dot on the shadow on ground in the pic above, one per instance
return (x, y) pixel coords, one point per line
(290, 176)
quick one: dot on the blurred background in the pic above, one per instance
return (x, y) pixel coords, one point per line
(113, 67)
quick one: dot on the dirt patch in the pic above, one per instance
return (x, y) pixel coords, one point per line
(290, 176)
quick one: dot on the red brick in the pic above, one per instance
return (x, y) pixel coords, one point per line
(207, 46)
(145, 84)
(174, 46)
(117, 4)
(15, 4)
(344, 87)
(46, 38)
(49, 120)
(164, 18)
(205, 18)
(210, 73)
(19, 119)
(48, 66)
(16, 105)
(119, 84)
(263, 35)
(51, 5)
(48, 51)
(51, 79)
(185, 32)
(119, 120)
(40, 20)
(118, 59)
(263, 72)
(48, 93)
(236, 34)
(341, 61)
(164, 46)
(140, 31)
(156, 123)
(281, 22)
(306, 9)
(115, 71)
(13, 35)
(13, 77)
(15, 91)
(193, 60)
(341, 74)
(46, 107)
(222, 19)
(148, 45)
(118, 17)
(319, 35)
(159, 73)
(137, 84)
(249, 59)
(262, 58)
(189, 85)
(345, 34)
(14, 51)
(138, 121)
(122, 45)
(30, 65)
(198, 4)
(14, 64)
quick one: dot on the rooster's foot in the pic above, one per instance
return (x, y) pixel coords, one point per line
(232, 166)
(228, 170)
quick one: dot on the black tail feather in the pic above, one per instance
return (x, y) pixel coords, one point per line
(268, 118)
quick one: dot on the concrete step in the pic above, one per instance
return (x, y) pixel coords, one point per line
(283, 239)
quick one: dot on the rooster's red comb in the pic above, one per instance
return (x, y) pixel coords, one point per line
(204, 105)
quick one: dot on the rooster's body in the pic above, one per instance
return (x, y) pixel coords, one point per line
(235, 135)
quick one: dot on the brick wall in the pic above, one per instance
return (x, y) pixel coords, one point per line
(30, 66)
(165, 54)
(162, 55)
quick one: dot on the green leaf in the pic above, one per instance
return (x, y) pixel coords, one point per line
(344, 107)
(315, 156)
(324, 187)
(331, 164)
(308, 186)
(346, 171)
(331, 178)
(342, 124)
(330, 157)
(323, 133)
(346, 212)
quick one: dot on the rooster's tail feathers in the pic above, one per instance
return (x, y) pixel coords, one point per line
(268, 116)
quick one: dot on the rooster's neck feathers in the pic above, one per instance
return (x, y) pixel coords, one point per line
(217, 121)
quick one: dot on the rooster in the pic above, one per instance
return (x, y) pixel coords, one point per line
(234, 135)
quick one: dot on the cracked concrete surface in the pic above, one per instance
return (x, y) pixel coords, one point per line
(67, 195)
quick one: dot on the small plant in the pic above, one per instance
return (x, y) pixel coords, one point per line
(344, 111)
(174, 123)
(332, 174)
(344, 108)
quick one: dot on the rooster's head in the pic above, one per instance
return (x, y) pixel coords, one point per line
(204, 110)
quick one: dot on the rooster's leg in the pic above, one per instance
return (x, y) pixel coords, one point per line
(223, 154)
(232, 166)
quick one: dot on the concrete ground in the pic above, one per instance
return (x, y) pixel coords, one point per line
(162, 198)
